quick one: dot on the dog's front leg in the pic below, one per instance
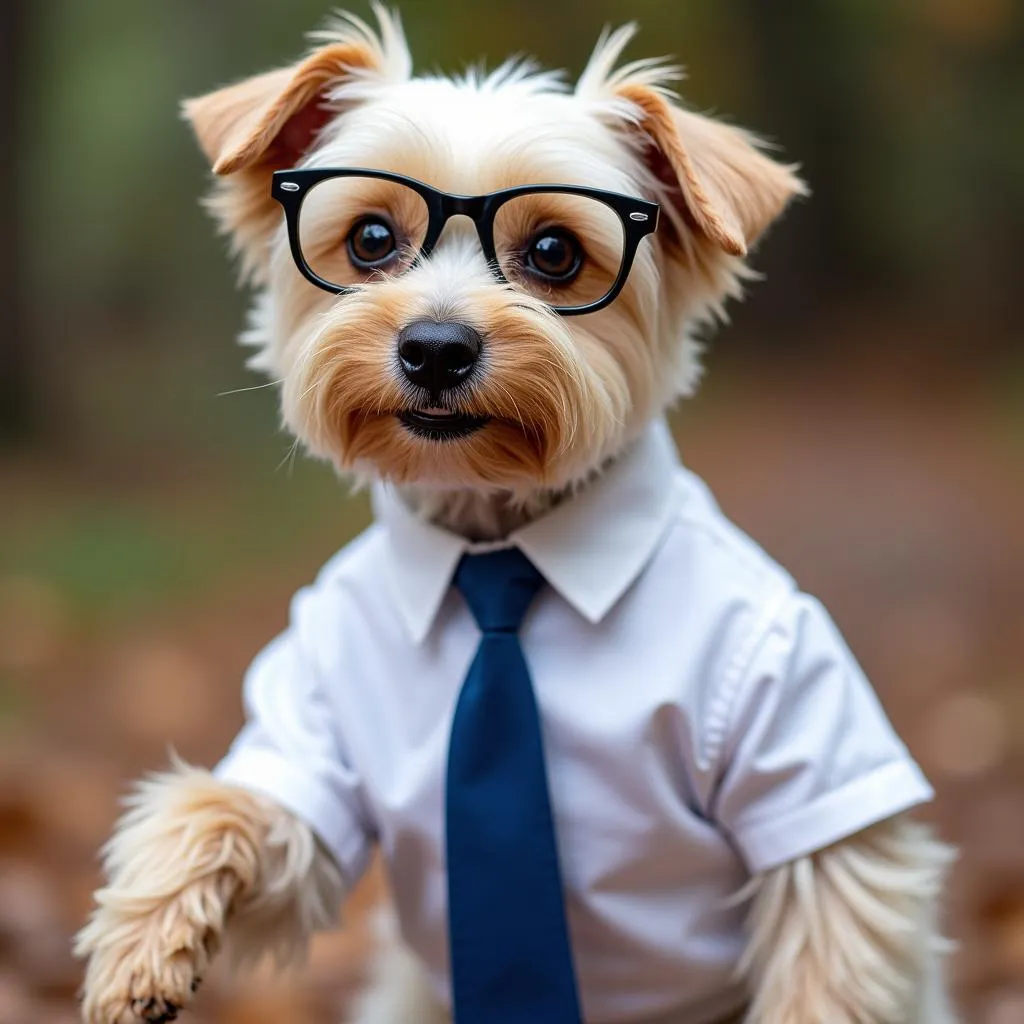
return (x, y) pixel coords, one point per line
(848, 935)
(190, 855)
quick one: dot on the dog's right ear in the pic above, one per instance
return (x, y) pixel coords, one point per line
(269, 122)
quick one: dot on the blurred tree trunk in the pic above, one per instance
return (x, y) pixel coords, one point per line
(807, 65)
(16, 385)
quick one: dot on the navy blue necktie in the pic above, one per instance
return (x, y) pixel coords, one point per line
(511, 960)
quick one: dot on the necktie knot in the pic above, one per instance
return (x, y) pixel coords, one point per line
(499, 588)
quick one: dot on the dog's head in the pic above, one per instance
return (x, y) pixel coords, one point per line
(422, 336)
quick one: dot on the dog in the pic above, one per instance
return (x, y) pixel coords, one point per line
(483, 295)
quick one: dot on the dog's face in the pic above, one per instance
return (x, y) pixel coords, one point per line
(450, 370)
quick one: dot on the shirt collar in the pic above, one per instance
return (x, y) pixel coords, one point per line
(590, 549)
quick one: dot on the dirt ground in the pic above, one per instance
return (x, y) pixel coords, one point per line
(904, 514)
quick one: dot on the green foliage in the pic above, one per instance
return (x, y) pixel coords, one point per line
(112, 556)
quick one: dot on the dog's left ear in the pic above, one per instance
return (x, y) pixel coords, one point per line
(730, 189)
(715, 177)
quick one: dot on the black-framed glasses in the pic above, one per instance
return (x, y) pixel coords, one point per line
(568, 245)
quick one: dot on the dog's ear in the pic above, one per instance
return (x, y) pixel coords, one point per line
(730, 190)
(270, 119)
(268, 122)
(715, 177)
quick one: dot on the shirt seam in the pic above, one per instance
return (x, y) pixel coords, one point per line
(722, 709)
(722, 532)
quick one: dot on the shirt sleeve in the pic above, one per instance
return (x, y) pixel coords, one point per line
(811, 757)
(289, 749)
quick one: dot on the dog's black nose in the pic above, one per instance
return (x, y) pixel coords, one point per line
(437, 356)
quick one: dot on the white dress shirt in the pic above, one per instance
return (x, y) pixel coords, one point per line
(703, 720)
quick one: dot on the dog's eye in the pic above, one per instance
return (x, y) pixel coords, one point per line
(371, 242)
(556, 254)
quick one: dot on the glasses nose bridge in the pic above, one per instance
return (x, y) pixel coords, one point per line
(464, 206)
(474, 209)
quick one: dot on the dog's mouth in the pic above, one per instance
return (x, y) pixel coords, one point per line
(435, 424)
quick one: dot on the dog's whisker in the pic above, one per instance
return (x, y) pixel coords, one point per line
(289, 456)
(255, 387)
(508, 394)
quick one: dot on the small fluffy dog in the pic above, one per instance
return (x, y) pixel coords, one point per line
(481, 300)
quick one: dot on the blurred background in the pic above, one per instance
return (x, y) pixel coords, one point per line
(863, 417)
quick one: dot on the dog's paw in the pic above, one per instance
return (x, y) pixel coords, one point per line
(138, 985)
(159, 1009)
(145, 969)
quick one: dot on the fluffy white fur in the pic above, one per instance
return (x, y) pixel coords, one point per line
(846, 936)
